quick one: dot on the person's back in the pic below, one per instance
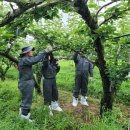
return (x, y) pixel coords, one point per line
(50, 92)
(83, 69)
(83, 65)
(49, 71)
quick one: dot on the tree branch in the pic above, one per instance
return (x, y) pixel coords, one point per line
(114, 15)
(11, 58)
(117, 55)
(21, 2)
(7, 68)
(124, 35)
(103, 7)
(82, 9)
(42, 5)
(106, 20)
(12, 15)
(117, 37)
(27, 8)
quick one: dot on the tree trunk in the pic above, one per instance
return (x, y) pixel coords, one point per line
(106, 102)
(107, 99)
(2, 76)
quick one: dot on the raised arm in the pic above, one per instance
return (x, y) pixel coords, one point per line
(45, 63)
(34, 60)
(57, 68)
(56, 65)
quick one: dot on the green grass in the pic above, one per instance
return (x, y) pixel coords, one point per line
(70, 119)
(66, 77)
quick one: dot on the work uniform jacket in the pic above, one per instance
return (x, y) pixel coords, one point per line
(83, 69)
(83, 66)
(49, 71)
(50, 91)
(26, 80)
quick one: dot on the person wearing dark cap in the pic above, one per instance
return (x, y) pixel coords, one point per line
(26, 79)
(84, 69)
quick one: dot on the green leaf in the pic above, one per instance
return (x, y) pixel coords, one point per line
(8, 35)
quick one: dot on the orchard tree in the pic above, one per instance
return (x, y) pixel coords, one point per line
(105, 28)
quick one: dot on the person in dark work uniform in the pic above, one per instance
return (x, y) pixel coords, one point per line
(84, 69)
(26, 79)
(50, 92)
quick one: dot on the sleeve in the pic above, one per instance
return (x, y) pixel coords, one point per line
(91, 69)
(45, 63)
(34, 60)
(44, 66)
(57, 69)
(75, 57)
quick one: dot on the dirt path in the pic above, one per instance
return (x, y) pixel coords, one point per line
(92, 111)
(82, 112)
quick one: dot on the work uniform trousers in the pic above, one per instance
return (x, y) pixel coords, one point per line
(81, 83)
(26, 88)
(50, 91)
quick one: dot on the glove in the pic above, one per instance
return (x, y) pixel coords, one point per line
(48, 49)
(90, 78)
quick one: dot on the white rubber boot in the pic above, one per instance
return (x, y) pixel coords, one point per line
(75, 102)
(83, 101)
(55, 106)
(26, 117)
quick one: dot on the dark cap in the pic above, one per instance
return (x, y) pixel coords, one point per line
(27, 49)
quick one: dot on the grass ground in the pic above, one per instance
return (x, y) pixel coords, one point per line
(79, 118)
